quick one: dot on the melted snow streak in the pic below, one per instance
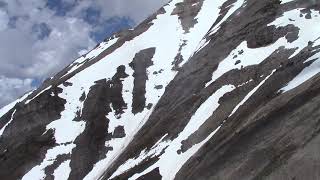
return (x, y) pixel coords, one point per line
(286, 1)
(250, 94)
(169, 170)
(4, 127)
(29, 100)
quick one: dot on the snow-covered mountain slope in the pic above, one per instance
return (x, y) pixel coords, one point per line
(203, 89)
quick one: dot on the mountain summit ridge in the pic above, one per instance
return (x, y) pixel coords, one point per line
(202, 89)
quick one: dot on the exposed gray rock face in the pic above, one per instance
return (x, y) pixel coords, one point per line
(139, 64)
(241, 104)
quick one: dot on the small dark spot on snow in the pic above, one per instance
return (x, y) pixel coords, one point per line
(179, 151)
(308, 16)
(119, 132)
(66, 84)
(149, 106)
(237, 62)
(158, 87)
(158, 72)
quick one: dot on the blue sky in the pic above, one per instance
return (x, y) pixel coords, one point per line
(39, 37)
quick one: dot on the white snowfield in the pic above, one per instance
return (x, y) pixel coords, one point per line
(166, 27)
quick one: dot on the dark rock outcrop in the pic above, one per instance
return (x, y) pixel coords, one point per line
(139, 64)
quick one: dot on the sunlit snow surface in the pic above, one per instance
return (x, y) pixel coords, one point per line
(63, 170)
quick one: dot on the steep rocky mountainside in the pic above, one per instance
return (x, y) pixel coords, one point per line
(202, 89)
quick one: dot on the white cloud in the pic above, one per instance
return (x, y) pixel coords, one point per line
(21, 51)
(4, 20)
(137, 10)
(10, 87)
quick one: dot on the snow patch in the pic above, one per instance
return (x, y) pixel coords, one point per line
(63, 170)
